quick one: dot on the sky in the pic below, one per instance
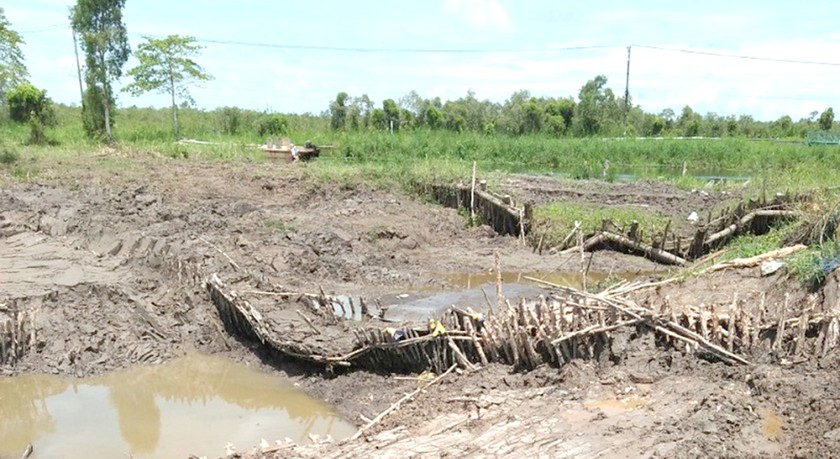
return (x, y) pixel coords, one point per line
(295, 56)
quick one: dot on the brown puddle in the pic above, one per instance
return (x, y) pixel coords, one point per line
(773, 425)
(192, 405)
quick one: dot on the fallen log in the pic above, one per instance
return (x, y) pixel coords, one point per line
(756, 260)
(746, 219)
(650, 251)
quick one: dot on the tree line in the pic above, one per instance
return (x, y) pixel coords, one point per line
(165, 66)
(596, 111)
(168, 66)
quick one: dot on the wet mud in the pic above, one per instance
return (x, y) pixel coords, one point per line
(113, 265)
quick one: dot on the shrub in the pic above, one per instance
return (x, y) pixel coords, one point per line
(272, 125)
(813, 265)
(28, 104)
(8, 156)
(229, 119)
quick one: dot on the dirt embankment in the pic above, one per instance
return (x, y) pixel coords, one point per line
(114, 267)
(114, 263)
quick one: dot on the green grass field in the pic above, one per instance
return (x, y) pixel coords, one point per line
(765, 164)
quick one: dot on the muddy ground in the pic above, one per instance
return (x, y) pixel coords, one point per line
(113, 261)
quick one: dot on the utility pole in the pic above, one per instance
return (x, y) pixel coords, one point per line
(627, 92)
(78, 68)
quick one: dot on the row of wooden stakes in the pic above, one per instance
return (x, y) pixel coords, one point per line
(564, 325)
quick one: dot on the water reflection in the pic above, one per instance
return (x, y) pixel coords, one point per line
(470, 280)
(192, 405)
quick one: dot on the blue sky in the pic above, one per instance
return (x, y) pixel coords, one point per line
(526, 44)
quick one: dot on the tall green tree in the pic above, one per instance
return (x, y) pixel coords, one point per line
(391, 114)
(597, 108)
(338, 111)
(28, 104)
(827, 119)
(167, 66)
(105, 42)
(560, 113)
(12, 69)
(689, 122)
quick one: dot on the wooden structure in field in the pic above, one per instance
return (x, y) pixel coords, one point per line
(501, 213)
(822, 138)
(282, 149)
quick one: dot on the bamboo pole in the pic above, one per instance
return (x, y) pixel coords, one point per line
(459, 356)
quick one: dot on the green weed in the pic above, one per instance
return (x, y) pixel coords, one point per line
(556, 220)
(811, 266)
(8, 156)
(279, 226)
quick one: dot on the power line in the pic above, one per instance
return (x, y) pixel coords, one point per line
(738, 56)
(402, 50)
(46, 28)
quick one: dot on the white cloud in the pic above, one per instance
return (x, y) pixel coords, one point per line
(482, 14)
(764, 89)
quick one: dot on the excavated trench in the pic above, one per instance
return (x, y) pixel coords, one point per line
(103, 279)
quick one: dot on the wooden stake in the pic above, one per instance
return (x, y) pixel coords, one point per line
(459, 356)
(746, 328)
(472, 194)
(757, 324)
(399, 402)
(803, 327)
(733, 312)
(780, 329)
(308, 322)
(476, 343)
(500, 297)
(582, 258)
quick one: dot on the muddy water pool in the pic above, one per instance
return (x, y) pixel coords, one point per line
(195, 404)
(469, 290)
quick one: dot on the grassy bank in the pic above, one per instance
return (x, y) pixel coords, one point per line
(766, 164)
(402, 160)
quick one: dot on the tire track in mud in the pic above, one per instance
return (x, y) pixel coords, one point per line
(102, 294)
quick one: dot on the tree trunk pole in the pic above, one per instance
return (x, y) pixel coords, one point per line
(107, 100)
(174, 106)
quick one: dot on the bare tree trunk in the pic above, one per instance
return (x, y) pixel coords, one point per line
(107, 116)
(106, 100)
(174, 107)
